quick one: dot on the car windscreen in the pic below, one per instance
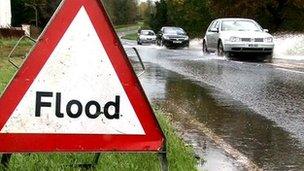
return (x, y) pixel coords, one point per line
(174, 30)
(240, 25)
(147, 32)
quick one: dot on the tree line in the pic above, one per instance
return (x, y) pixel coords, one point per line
(192, 15)
(24, 11)
(195, 15)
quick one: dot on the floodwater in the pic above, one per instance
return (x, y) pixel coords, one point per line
(256, 107)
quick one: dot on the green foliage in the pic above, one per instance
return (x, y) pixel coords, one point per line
(122, 11)
(23, 11)
(283, 15)
(177, 151)
(191, 15)
(6, 69)
(195, 15)
(145, 11)
(277, 15)
(160, 17)
(293, 17)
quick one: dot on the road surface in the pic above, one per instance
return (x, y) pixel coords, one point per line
(256, 107)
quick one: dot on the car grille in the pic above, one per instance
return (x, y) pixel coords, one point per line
(177, 38)
(252, 39)
(246, 40)
(252, 49)
(259, 40)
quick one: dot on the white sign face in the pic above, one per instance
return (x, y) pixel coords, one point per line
(77, 91)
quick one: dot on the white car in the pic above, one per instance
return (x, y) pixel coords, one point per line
(146, 36)
(229, 36)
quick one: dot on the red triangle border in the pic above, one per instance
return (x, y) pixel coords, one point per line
(153, 140)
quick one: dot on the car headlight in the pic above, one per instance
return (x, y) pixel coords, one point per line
(268, 39)
(234, 39)
(166, 37)
(187, 38)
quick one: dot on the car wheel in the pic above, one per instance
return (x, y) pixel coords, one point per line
(269, 57)
(186, 45)
(158, 42)
(229, 54)
(220, 49)
(205, 48)
(161, 43)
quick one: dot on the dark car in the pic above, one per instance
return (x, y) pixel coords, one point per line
(172, 37)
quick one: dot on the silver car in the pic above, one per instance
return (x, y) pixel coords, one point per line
(146, 36)
(228, 36)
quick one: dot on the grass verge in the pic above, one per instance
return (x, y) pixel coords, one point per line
(127, 25)
(132, 36)
(6, 69)
(123, 28)
(180, 156)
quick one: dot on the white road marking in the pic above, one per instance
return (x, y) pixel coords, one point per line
(220, 142)
(289, 70)
(287, 65)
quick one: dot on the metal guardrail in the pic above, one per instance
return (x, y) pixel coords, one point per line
(15, 47)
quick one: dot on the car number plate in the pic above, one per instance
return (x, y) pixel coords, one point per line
(177, 41)
(253, 45)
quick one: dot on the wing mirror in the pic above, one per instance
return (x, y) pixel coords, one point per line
(216, 30)
(266, 30)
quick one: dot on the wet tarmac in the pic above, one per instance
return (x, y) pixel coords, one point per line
(256, 107)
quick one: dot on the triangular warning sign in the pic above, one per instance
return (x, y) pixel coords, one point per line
(77, 91)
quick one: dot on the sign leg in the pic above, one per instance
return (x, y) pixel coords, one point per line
(91, 165)
(96, 159)
(5, 160)
(163, 160)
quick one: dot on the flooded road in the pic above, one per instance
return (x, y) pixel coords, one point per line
(256, 107)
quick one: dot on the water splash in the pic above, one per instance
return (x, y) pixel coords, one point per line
(289, 46)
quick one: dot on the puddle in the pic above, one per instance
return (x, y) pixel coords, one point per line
(261, 140)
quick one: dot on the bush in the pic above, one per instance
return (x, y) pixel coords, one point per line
(10, 33)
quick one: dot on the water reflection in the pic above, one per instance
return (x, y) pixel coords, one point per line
(275, 94)
(268, 145)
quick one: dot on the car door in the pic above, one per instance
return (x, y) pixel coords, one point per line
(210, 35)
(214, 35)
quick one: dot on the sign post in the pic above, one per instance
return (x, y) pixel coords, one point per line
(77, 91)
